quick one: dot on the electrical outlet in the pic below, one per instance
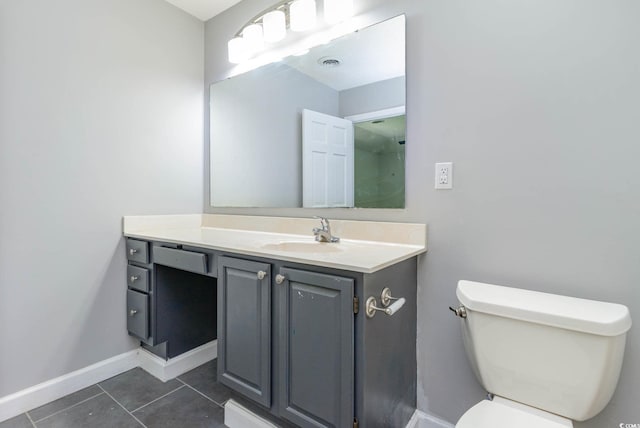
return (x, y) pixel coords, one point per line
(444, 175)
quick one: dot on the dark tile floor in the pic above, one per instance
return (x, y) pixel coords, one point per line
(137, 399)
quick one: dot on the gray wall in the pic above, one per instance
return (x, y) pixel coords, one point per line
(100, 117)
(536, 103)
(373, 97)
(263, 106)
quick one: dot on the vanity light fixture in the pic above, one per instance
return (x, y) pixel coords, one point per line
(271, 25)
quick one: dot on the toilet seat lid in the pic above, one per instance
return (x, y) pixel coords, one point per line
(499, 414)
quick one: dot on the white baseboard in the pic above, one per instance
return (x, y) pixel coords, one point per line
(236, 416)
(51, 390)
(43, 393)
(413, 422)
(424, 420)
(170, 369)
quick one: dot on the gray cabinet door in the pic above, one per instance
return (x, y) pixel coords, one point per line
(244, 327)
(316, 363)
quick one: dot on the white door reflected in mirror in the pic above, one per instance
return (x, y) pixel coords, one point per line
(327, 161)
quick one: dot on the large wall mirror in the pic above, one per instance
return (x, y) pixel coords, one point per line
(322, 129)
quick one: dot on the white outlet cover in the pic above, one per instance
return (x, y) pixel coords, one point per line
(444, 175)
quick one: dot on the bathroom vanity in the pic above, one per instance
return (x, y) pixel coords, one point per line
(288, 313)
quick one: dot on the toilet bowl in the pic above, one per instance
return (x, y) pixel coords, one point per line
(546, 359)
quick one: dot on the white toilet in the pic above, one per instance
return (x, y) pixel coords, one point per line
(546, 359)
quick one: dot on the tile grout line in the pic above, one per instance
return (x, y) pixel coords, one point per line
(124, 408)
(30, 420)
(208, 398)
(159, 398)
(35, 422)
(66, 408)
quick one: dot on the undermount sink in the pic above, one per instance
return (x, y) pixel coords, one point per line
(303, 247)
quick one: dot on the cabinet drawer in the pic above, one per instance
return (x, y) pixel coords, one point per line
(137, 251)
(138, 314)
(138, 278)
(180, 259)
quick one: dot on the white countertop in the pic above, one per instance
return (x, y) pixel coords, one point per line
(364, 246)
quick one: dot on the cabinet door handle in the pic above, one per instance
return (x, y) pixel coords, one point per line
(261, 274)
(133, 279)
(280, 279)
(132, 312)
(132, 251)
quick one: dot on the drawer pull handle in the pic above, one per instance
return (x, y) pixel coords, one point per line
(132, 312)
(132, 251)
(280, 279)
(134, 278)
(261, 274)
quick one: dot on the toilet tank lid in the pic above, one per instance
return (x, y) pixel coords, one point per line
(572, 313)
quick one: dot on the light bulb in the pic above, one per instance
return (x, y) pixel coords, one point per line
(254, 38)
(238, 50)
(274, 26)
(337, 10)
(303, 15)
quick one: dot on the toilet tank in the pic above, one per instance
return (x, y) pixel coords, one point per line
(556, 353)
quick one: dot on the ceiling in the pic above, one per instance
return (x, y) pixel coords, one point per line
(370, 55)
(203, 9)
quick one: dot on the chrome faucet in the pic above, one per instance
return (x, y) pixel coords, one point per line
(323, 234)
